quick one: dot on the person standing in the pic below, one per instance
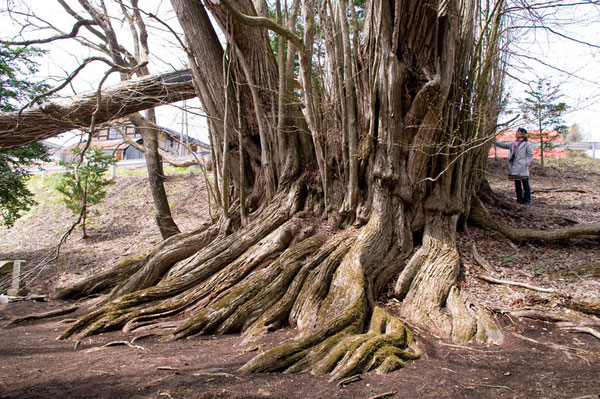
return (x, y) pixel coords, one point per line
(520, 155)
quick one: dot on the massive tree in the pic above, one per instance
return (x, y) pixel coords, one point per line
(347, 155)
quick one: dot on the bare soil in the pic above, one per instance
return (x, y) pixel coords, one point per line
(537, 360)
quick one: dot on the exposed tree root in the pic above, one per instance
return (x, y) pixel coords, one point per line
(171, 251)
(585, 330)
(134, 274)
(102, 281)
(183, 287)
(568, 351)
(567, 322)
(274, 272)
(544, 315)
(280, 269)
(335, 337)
(431, 299)
(45, 315)
(239, 306)
(566, 300)
(383, 348)
(519, 284)
(480, 216)
(487, 266)
(584, 306)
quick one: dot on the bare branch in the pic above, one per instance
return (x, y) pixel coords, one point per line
(71, 35)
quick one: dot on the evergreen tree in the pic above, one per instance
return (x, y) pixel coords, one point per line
(85, 183)
(16, 67)
(544, 109)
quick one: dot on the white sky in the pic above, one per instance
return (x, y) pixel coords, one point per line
(581, 89)
(575, 65)
(66, 55)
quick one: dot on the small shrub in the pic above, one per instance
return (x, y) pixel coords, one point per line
(85, 184)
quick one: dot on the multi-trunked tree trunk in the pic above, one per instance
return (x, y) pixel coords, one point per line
(359, 180)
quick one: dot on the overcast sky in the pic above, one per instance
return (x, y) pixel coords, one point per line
(581, 86)
(572, 64)
(66, 55)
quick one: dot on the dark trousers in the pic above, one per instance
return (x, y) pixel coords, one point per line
(523, 191)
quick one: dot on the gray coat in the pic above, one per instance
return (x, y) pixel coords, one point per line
(523, 157)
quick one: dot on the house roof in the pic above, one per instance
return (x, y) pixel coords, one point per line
(120, 143)
(105, 145)
(50, 145)
(184, 137)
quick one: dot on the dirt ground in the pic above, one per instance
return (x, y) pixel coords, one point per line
(538, 359)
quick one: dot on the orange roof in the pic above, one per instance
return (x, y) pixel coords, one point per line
(534, 136)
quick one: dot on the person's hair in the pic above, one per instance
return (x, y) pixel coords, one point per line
(522, 132)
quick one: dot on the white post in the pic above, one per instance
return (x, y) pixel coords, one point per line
(43, 176)
(593, 150)
(16, 288)
(113, 171)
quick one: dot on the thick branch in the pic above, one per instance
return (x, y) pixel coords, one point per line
(263, 23)
(481, 217)
(56, 117)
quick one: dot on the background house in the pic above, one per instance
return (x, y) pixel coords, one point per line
(54, 151)
(110, 140)
(534, 139)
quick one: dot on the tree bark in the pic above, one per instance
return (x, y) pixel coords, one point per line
(58, 116)
(414, 144)
(164, 219)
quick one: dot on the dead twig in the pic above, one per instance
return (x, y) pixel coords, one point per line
(68, 321)
(482, 261)
(562, 348)
(115, 343)
(349, 380)
(493, 386)
(559, 190)
(383, 395)
(216, 374)
(493, 280)
(466, 347)
(169, 368)
(585, 330)
(167, 394)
